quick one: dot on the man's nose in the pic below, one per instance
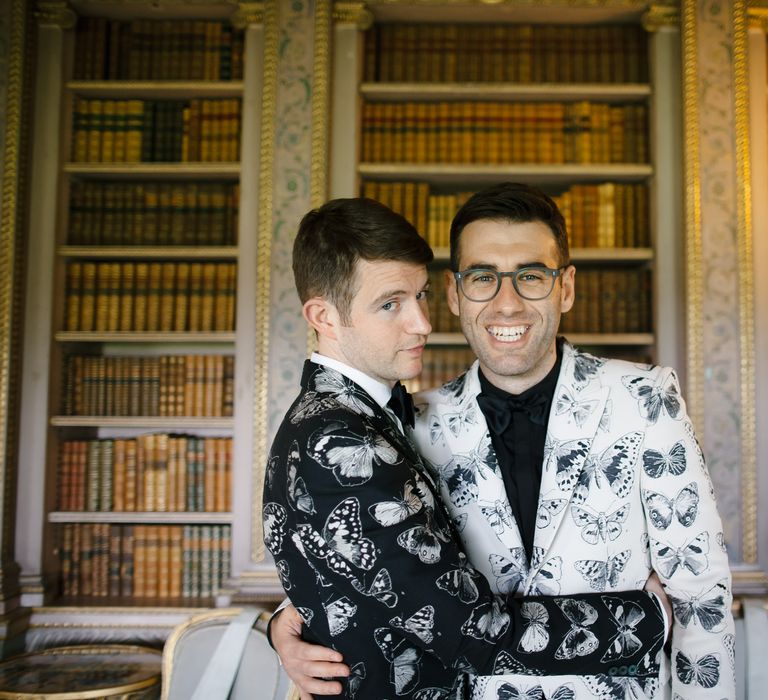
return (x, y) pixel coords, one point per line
(419, 321)
(507, 298)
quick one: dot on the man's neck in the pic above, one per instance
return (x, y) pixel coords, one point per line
(517, 384)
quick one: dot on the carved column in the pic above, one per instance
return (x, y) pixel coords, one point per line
(662, 21)
(14, 107)
(349, 20)
(719, 273)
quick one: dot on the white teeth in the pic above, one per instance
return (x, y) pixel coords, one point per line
(507, 333)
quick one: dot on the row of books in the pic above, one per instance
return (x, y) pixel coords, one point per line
(504, 132)
(145, 49)
(517, 53)
(153, 213)
(610, 301)
(166, 385)
(607, 215)
(144, 561)
(156, 472)
(171, 131)
(440, 365)
(152, 296)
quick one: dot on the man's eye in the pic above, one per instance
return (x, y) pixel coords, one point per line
(388, 306)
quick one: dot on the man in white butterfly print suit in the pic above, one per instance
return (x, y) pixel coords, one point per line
(365, 549)
(622, 484)
(622, 488)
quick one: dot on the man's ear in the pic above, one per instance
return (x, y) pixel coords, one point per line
(567, 289)
(451, 291)
(321, 315)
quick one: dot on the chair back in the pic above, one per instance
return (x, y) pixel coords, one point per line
(192, 644)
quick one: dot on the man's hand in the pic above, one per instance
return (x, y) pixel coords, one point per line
(306, 664)
(653, 584)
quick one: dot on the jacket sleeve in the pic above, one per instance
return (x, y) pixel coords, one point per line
(380, 544)
(686, 545)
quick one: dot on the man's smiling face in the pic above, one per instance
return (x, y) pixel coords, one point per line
(513, 338)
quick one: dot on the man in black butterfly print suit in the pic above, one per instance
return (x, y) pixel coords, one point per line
(365, 550)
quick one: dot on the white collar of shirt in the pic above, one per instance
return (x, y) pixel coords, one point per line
(378, 391)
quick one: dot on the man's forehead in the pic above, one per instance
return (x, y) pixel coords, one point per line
(385, 274)
(495, 239)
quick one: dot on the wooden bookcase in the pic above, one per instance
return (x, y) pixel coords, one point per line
(139, 481)
(406, 94)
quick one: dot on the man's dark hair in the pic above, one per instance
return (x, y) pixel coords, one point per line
(334, 237)
(514, 203)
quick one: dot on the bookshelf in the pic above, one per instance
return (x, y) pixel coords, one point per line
(150, 485)
(148, 255)
(445, 108)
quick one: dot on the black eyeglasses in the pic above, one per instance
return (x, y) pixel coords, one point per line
(532, 283)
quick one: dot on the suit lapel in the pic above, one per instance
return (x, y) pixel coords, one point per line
(577, 409)
(466, 435)
(321, 379)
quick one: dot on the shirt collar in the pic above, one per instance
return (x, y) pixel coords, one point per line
(377, 390)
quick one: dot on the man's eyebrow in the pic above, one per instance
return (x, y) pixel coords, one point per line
(494, 266)
(387, 295)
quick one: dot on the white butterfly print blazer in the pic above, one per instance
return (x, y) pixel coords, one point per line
(624, 490)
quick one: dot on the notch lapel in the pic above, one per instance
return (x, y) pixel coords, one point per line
(574, 420)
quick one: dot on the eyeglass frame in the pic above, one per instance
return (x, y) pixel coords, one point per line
(513, 275)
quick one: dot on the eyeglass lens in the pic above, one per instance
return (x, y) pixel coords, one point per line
(530, 283)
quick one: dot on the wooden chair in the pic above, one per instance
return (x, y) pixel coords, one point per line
(191, 646)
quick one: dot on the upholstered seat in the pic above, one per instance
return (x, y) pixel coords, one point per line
(192, 644)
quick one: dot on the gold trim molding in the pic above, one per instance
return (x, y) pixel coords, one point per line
(587, 4)
(263, 270)
(9, 220)
(746, 285)
(247, 13)
(758, 17)
(353, 13)
(318, 175)
(55, 13)
(692, 170)
(658, 16)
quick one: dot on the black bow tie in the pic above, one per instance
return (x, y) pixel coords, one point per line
(498, 410)
(401, 404)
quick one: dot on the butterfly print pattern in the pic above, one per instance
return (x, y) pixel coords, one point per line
(599, 527)
(460, 582)
(380, 588)
(580, 640)
(577, 410)
(536, 635)
(351, 457)
(615, 466)
(274, 518)
(661, 510)
(657, 463)
(585, 368)
(626, 617)
(691, 556)
(703, 672)
(370, 555)
(654, 401)
(388, 513)
(602, 574)
(341, 543)
(706, 609)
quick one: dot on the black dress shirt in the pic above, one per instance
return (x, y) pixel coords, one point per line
(518, 427)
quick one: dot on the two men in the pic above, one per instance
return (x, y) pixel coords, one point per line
(366, 551)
